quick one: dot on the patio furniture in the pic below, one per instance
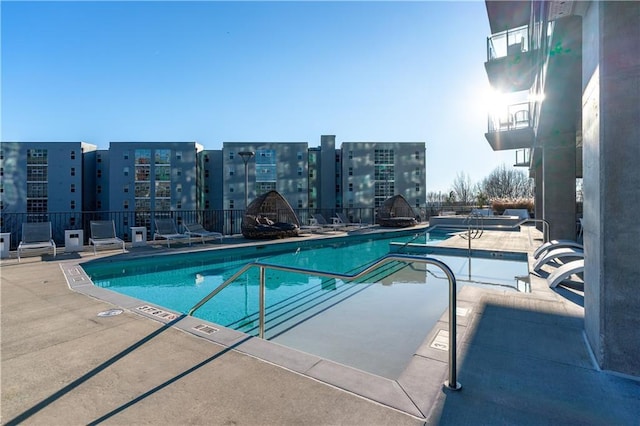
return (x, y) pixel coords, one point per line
(270, 216)
(166, 228)
(558, 254)
(334, 225)
(396, 212)
(103, 233)
(554, 244)
(36, 236)
(564, 272)
(197, 230)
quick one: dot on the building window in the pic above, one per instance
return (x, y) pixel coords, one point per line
(125, 188)
(231, 189)
(99, 173)
(337, 189)
(350, 171)
(417, 202)
(126, 171)
(299, 155)
(231, 155)
(206, 173)
(98, 204)
(350, 187)
(1, 154)
(73, 171)
(311, 173)
(72, 222)
(73, 187)
(417, 155)
(73, 155)
(125, 204)
(350, 155)
(300, 187)
(206, 204)
(206, 158)
(299, 171)
(125, 220)
(178, 172)
(125, 155)
(99, 158)
(178, 205)
(231, 204)
(99, 189)
(417, 187)
(300, 204)
(178, 155)
(231, 171)
(179, 188)
(206, 189)
(73, 205)
(417, 172)
(1, 171)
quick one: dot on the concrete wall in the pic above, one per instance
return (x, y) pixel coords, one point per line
(611, 157)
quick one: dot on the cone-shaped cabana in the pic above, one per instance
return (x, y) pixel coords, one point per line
(270, 216)
(397, 213)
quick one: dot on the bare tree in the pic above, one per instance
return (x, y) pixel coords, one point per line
(463, 189)
(507, 183)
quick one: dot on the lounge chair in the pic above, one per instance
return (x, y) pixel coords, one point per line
(344, 219)
(553, 244)
(197, 230)
(335, 225)
(557, 254)
(166, 228)
(36, 236)
(103, 233)
(564, 272)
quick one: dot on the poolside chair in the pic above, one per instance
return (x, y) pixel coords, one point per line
(564, 272)
(36, 236)
(324, 224)
(166, 228)
(103, 233)
(342, 218)
(554, 244)
(197, 230)
(557, 254)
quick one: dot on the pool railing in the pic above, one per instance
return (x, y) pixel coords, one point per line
(451, 383)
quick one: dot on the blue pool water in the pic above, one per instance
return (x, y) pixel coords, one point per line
(375, 327)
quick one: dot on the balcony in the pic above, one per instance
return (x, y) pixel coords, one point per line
(510, 60)
(511, 127)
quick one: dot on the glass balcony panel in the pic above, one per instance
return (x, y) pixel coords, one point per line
(507, 43)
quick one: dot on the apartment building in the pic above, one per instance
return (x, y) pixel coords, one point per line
(374, 171)
(41, 177)
(144, 177)
(572, 70)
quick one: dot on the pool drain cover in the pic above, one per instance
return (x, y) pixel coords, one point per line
(110, 313)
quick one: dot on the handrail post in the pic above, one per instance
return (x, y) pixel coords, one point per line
(452, 383)
(262, 301)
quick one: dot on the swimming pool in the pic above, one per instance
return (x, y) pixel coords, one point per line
(374, 327)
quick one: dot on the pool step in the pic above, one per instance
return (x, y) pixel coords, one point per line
(289, 313)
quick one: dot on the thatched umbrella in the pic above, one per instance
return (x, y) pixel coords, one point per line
(270, 216)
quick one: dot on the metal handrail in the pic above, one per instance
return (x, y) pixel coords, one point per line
(451, 383)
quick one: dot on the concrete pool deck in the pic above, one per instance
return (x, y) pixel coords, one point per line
(522, 359)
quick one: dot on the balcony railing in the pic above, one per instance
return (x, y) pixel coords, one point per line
(508, 43)
(511, 117)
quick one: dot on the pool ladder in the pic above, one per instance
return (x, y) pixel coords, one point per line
(451, 383)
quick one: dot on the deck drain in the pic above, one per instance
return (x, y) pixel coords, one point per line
(110, 313)
(441, 341)
(462, 312)
(157, 312)
(206, 329)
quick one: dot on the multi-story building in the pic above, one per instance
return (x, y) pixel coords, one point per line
(374, 171)
(132, 182)
(280, 166)
(572, 69)
(145, 177)
(37, 178)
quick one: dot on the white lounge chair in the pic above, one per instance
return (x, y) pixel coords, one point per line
(103, 233)
(197, 230)
(36, 236)
(564, 272)
(166, 228)
(342, 218)
(557, 254)
(335, 225)
(554, 244)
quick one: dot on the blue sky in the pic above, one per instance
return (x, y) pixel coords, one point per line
(252, 71)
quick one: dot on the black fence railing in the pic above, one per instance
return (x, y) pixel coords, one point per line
(227, 222)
